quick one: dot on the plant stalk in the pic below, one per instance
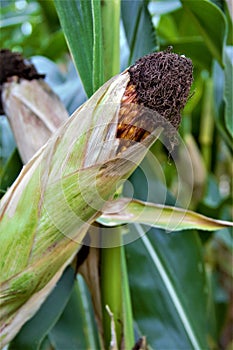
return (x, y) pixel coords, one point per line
(111, 284)
(111, 258)
(129, 340)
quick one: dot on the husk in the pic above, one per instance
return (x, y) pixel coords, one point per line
(34, 113)
(59, 193)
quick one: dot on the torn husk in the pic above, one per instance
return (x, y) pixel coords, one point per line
(46, 213)
(32, 108)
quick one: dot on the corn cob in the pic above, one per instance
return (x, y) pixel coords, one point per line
(47, 212)
(33, 110)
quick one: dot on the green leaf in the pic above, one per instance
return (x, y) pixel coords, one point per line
(10, 171)
(168, 283)
(168, 289)
(127, 305)
(46, 345)
(81, 23)
(55, 46)
(139, 29)
(212, 28)
(212, 196)
(228, 60)
(177, 30)
(110, 13)
(97, 63)
(50, 14)
(228, 14)
(76, 328)
(219, 85)
(170, 218)
(36, 329)
(82, 26)
(77, 28)
(192, 47)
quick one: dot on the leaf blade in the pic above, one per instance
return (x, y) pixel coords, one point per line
(156, 215)
(161, 303)
(139, 31)
(214, 36)
(97, 63)
(78, 34)
(110, 11)
(228, 59)
(76, 328)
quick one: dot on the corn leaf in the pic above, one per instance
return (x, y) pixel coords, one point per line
(164, 300)
(214, 36)
(228, 59)
(97, 61)
(76, 328)
(110, 13)
(81, 24)
(76, 22)
(10, 171)
(219, 96)
(169, 218)
(139, 31)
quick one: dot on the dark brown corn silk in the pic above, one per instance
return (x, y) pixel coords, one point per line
(159, 82)
(13, 64)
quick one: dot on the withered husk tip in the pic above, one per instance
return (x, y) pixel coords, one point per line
(14, 64)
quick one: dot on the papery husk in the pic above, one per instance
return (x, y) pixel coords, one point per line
(46, 213)
(34, 112)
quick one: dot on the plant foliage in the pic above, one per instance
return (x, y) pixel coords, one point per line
(180, 282)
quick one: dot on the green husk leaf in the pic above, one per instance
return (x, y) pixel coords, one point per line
(124, 211)
(35, 330)
(67, 184)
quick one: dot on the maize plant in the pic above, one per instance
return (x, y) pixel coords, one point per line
(69, 192)
(71, 177)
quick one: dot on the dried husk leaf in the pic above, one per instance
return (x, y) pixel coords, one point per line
(34, 112)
